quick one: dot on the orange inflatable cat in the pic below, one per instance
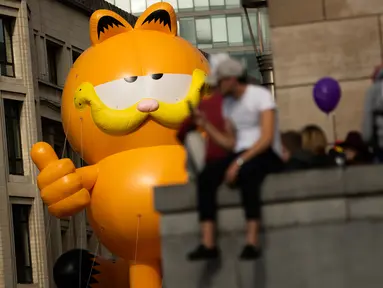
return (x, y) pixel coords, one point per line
(122, 101)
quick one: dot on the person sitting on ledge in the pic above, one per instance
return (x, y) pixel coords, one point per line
(356, 151)
(314, 141)
(293, 155)
(212, 109)
(252, 136)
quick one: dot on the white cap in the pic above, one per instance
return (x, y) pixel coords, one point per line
(214, 61)
(228, 67)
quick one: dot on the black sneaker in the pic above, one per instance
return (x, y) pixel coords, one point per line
(250, 252)
(204, 253)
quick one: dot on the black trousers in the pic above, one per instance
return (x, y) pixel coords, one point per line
(249, 181)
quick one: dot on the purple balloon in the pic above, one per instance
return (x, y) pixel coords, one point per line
(327, 94)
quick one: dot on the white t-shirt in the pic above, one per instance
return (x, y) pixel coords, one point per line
(245, 114)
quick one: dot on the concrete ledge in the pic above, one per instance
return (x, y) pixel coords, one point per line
(296, 186)
(282, 215)
(323, 228)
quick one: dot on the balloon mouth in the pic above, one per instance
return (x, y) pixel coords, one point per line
(122, 122)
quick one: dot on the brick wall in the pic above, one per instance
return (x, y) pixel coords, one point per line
(317, 38)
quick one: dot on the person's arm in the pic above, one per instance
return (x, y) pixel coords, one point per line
(227, 139)
(267, 135)
(187, 126)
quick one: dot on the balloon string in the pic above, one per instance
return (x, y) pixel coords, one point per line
(334, 127)
(94, 261)
(66, 135)
(48, 232)
(138, 228)
(82, 154)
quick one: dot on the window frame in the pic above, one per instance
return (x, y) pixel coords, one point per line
(54, 128)
(27, 266)
(240, 19)
(229, 34)
(53, 78)
(76, 51)
(199, 44)
(223, 19)
(192, 19)
(7, 23)
(64, 229)
(13, 159)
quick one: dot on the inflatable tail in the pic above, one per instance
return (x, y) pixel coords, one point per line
(80, 268)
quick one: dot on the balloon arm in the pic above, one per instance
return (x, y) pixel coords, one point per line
(89, 175)
(145, 274)
(42, 155)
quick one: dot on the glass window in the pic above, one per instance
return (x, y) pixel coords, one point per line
(89, 234)
(6, 49)
(174, 3)
(265, 29)
(63, 240)
(217, 4)
(54, 134)
(201, 4)
(218, 24)
(203, 30)
(252, 65)
(75, 55)
(187, 29)
(185, 4)
(59, 149)
(12, 109)
(122, 4)
(20, 215)
(150, 2)
(232, 3)
(138, 6)
(53, 53)
(239, 56)
(254, 26)
(234, 29)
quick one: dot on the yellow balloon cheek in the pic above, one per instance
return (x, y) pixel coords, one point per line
(172, 115)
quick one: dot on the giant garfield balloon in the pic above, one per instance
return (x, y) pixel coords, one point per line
(121, 105)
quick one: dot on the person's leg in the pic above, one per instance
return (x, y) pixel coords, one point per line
(207, 184)
(250, 179)
(250, 192)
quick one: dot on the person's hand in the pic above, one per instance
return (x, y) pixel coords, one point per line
(232, 173)
(199, 118)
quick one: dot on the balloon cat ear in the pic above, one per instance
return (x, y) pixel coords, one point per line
(105, 24)
(158, 17)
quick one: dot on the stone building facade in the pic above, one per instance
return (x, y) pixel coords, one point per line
(39, 41)
(317, 38)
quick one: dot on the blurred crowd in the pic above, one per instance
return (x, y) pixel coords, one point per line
(241, 144)
(309, 149)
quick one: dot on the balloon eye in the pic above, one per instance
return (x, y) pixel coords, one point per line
(130, 79)
(157, 76)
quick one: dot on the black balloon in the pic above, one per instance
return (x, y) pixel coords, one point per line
(75, 268)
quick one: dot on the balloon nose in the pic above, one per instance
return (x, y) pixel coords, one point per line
(148, 105)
